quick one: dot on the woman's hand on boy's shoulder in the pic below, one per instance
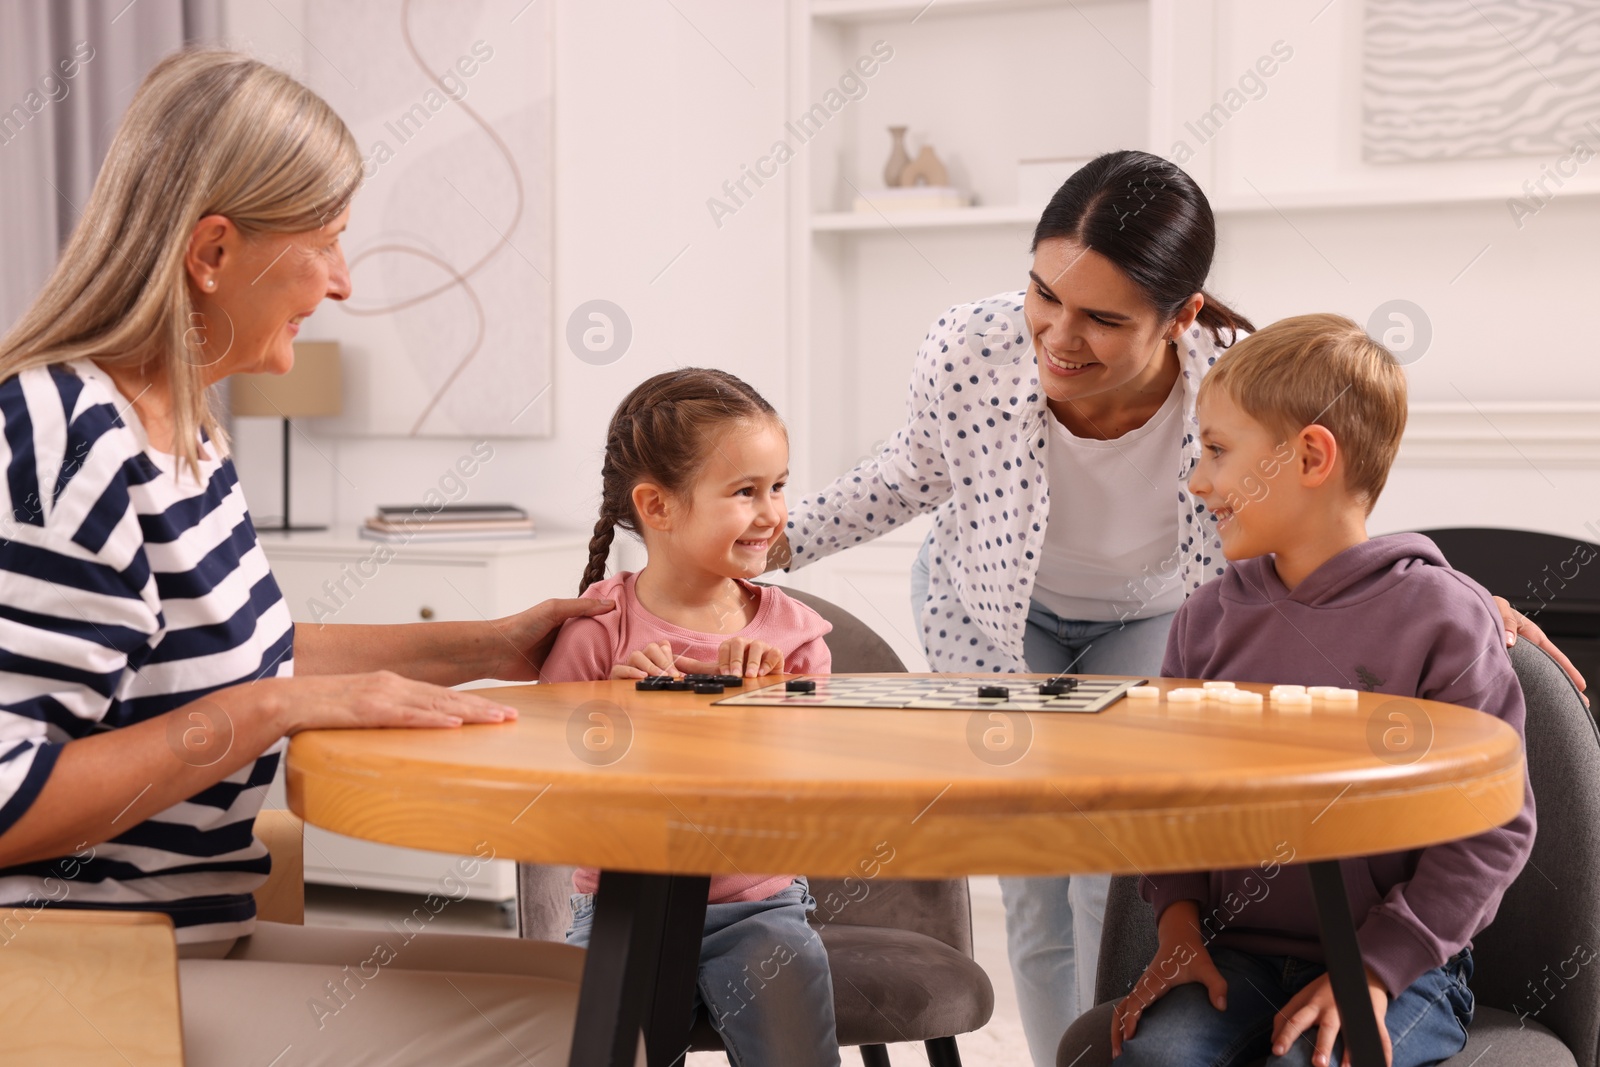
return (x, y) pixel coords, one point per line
(1518, 625)
(1181, 958)
(1314, 1006)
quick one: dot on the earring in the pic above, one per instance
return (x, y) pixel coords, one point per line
(211, 283)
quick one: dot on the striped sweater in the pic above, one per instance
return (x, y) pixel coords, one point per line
(125, 593)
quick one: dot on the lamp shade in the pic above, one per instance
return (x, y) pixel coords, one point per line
(313, 388)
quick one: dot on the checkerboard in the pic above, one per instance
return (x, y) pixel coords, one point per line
(951, 694)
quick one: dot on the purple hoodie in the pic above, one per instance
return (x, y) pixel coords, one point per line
(1389, 616)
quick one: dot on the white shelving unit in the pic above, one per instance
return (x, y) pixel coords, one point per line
(965, 75)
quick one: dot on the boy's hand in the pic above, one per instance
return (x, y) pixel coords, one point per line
(1180, 959)
(750, 659)
(652, 659)
(1314, 1006)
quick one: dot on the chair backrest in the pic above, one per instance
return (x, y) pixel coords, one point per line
(1546, 577)
(856, 647)
(939, 909)
(1128, 941)
(1541, 955)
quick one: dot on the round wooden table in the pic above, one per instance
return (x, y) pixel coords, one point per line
(660, 790)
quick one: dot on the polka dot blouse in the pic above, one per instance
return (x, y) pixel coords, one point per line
(973, 451)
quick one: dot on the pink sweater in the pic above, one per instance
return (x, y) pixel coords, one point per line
(587, 648)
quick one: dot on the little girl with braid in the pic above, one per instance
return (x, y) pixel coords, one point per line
(695, 465)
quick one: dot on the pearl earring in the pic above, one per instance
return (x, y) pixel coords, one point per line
(211, 283)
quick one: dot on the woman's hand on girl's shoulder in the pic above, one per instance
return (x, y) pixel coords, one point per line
(525, 639)
(381, 698)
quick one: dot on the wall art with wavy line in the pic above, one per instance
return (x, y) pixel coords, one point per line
(448, 330)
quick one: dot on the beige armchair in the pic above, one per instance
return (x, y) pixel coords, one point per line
(101, 987)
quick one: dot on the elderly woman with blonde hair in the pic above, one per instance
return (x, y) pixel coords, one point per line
(137, 607)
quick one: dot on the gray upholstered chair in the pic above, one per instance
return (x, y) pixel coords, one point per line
(1536, 976)
(901, 953)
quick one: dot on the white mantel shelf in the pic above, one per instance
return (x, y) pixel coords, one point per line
(916, 10)
(956, 217)
(1502, 434)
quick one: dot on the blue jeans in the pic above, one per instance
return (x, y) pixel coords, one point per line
(1053, 925)
(1426, 1023)
(764, 980)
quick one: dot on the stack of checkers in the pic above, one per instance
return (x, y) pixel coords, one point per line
(710, 684)
(1283, 697)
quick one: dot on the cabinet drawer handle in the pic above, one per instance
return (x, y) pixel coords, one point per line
(426, 612)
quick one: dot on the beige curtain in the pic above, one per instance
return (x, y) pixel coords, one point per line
(67, 71)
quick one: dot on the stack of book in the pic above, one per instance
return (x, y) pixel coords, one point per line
(448, 522)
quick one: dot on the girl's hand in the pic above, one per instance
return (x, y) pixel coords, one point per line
(1181, 958)
(750, 659)
(1517, 624)
(652, 659)
(382, 698)
(1314, 1006)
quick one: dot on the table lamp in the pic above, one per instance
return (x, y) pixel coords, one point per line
(311, 389)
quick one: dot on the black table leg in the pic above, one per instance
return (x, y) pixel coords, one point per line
(640, 970)
(669, 1015)
(1358, 1024)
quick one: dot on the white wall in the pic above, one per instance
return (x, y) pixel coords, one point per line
(653, 112)
(1508, 304)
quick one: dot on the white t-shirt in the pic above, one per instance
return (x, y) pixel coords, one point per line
(1109, 549)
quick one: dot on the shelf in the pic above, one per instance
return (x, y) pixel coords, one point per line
(1347, 199)
(912, 10)
(950, 218)
(1012, 215)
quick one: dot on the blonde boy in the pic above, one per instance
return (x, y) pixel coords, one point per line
(1299, 424)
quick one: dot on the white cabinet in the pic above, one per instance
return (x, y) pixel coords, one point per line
(334, 578)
